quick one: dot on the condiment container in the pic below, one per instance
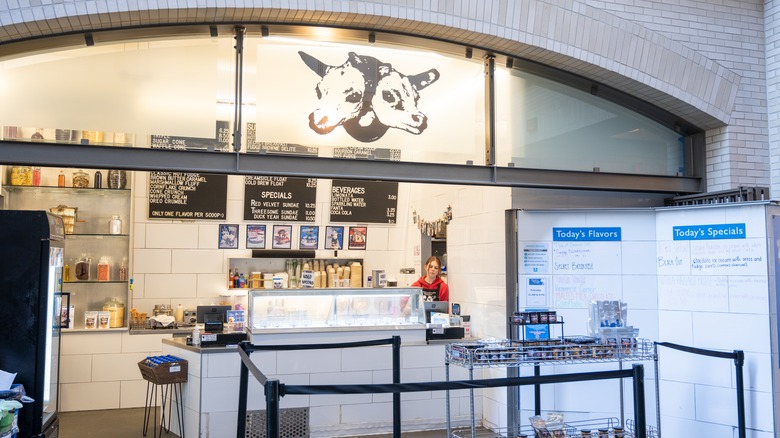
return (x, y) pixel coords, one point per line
(104, 269)
(115, 225)
(116, 310)
(117, 179)
(98, 180)
(80, 179)
(83, 267)
(21, 176)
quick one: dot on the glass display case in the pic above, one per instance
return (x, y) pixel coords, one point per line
(285, 310)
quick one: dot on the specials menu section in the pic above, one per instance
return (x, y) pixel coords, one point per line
(363, 201)
(279, 198)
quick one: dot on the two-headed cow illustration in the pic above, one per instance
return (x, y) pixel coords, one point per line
(367, 97)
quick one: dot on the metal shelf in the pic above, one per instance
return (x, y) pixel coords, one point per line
(505, 353)
(573, 429)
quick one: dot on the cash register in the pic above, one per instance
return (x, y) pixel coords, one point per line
(434, 327)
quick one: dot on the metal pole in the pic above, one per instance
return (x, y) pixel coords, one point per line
(243, 391)
(537, 392)
(657, 389)
(639, 401)
(271, 409)
(237, 108)
(739, 362)
(490, 112)
(447, 397)
(396, 380)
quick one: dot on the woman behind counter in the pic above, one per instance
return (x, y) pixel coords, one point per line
(433, 287)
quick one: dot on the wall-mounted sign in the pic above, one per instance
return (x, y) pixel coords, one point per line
(363, 201)
(279, 198)
(179, 195)
(183, 195)
(219, 143)
(709, 232)
(366, 153)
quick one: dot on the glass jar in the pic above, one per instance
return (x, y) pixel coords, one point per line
(80, 179)
(104, 269)
(61, 179)
(21, 176)
(115, 225)
(36, 176)
(83, 267)
(116, 311)
(123, 270)
(117, 179)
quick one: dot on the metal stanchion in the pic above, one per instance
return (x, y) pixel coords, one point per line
(639, 400)
(396, 379)
(739, 362)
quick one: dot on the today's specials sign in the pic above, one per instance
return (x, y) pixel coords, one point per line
(279, 198)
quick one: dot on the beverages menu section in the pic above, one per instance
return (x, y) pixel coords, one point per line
(363, 201)
(180, 195)
(278, 198)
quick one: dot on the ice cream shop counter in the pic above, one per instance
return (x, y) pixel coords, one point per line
(322, 316)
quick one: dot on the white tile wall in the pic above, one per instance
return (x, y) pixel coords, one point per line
(100, 370)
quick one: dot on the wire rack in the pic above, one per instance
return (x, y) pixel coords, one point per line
(505, 353)
(571, 429)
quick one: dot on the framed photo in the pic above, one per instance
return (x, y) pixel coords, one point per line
(228, 236)
(357, 237)
(310, 237)
(255, 236)
(334, 237)
(282, 237)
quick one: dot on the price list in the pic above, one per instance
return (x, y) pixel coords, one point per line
(279, 198)
(363, 201)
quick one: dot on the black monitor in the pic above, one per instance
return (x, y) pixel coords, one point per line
(435, 307)
(212, 313)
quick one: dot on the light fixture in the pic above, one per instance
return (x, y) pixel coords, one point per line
(510, 62)
(213, 31)
(371, 38)
(89, 40)
(594, 89)
(468, 53)
(264, 31)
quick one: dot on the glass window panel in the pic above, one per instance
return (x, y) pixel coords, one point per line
(333, 96)
(157, 87)
(546, 125)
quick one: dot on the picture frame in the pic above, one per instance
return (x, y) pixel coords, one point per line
(282, 238)
(357, 237)
(334, 238)
(255, 236)
(228, 236)
(310, 237)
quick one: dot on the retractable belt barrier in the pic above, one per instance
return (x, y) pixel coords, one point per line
(274, 390)
(738, 356)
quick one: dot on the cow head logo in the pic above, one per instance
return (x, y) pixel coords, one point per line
(367, 97)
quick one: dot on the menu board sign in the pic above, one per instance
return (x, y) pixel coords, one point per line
(280, 198)
(179, 195)
(363, 201)
(183, 195)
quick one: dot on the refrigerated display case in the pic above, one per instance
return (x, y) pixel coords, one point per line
(31, 263)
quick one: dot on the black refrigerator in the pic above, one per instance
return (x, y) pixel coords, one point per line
(31, 260)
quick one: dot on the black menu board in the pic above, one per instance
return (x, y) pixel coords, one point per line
(179, 195)
(280, 198)
(363, 201)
